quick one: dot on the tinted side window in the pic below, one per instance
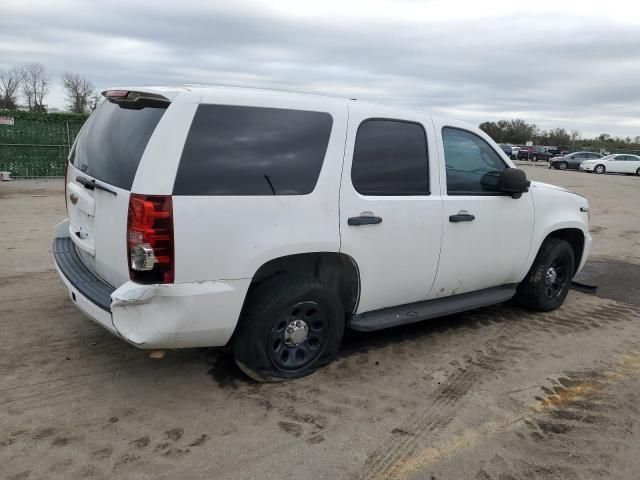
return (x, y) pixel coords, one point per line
(111, 143)
(592, 155)
(390, 158)
(234, 150)
(472, 165)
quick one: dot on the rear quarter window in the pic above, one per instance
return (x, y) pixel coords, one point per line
(237, 150)
(111, 143)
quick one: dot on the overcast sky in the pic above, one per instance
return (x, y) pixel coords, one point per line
(556, 63)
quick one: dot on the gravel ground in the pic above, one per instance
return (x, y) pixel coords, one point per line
(498, 393)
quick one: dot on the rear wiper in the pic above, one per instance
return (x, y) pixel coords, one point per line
(91, 184)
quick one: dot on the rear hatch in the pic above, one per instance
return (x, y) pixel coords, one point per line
(103, 165)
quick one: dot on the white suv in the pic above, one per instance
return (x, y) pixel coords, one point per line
(206, 216)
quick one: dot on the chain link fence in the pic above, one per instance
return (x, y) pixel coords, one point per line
(36, 144)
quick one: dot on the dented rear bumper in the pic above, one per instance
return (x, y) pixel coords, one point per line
(179, 315)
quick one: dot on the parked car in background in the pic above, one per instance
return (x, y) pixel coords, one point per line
(533, 153)
(572, 160)
(271, 221)
(558, 151)
(506, 149)
(617, 163)
(514, 151)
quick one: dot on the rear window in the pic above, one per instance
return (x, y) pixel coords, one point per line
(111, 143)
(390, 158)
(235, 150)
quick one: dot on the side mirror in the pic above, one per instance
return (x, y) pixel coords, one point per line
(514, 182)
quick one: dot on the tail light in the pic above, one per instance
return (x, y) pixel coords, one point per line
(150, 238)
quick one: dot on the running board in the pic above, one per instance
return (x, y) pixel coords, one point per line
(439, 307)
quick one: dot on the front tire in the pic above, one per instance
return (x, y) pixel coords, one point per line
(562, 165)
(638, 172)
(599, 169)
(546, 285)
(535, 158)
(290, 327)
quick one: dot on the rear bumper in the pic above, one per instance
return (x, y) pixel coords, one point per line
(180, 315)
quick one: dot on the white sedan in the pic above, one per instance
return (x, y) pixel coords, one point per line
(617, 163)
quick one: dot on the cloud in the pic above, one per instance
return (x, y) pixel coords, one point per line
(569, 65)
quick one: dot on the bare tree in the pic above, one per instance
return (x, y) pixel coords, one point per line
(575, 135)
(79, 92)
(9, 84)
(35, 85)
(95, 100)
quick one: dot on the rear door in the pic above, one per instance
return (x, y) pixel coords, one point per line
(103, 165)
(390, 206)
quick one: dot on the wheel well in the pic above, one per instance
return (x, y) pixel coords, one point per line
(336, 270)
(575, 238)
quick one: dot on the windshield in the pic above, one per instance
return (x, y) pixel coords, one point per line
(111, 143)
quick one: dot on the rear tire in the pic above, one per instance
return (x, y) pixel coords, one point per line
(290, 327)
(546, 285)
(599, 169)
(638, 172)
(535, 158)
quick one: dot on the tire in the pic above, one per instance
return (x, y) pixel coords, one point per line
(535, 158)
(546, 285)
(599, 169)
(268, 344)
(562, 165)
(638, 172)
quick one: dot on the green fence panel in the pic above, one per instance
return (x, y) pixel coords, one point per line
(37, 144)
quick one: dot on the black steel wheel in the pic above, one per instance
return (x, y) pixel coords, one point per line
(547, 284)
(290, 326)
(298, 337)
(556, 277)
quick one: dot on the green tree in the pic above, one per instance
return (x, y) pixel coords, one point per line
(493, 130)
(558, 137)
(519, 131)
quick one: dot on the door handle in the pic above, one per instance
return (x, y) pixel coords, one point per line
(462, 216)
(364, 220)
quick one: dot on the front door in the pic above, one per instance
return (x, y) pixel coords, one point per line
(391, 207)
(486, 234)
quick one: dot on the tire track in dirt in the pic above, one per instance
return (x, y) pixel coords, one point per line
(437, 415)
(509, 340)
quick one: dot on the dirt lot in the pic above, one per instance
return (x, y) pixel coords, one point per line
(498, 393)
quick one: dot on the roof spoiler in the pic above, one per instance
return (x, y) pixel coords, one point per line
(136, 100)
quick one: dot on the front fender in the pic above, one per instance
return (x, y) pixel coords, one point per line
(556, 209)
